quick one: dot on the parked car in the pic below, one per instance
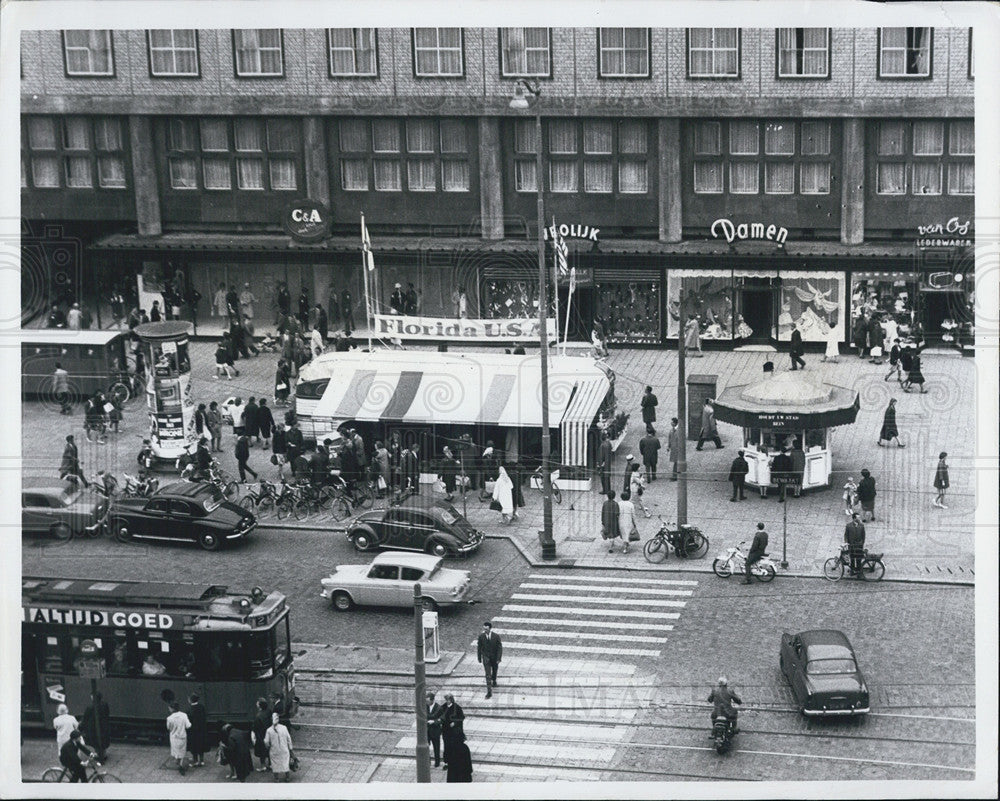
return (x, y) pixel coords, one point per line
(388, 581)
(61, 507)
(181, 512)
(824, 674)
(437, 529)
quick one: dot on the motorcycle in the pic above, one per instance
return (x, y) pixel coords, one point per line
(733, 560)
(723, 732)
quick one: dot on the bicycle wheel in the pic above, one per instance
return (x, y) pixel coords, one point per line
(341, 508)
(106, 778)
(285, 508)
(324, 498)
(301, 509)
(231, 490)
(765, 575)
(873, 570)
(833, 569)
(364, 497)
(723, 568)
(248, 503)
(53, 775)
(556, 493)
(695, 545)
(655, 550)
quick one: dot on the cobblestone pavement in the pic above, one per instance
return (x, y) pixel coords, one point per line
(919, 541)
(637, 713)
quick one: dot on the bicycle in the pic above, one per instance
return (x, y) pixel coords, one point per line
(313, 498)
(284, 502)
(556, 492)
(97, 776)
(872, 567)
(260, 500)
(687, 542)
(125, 387)
(217, 477)
(734, 561)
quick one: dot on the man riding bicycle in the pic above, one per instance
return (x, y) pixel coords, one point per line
(724, 698)
(69, 756)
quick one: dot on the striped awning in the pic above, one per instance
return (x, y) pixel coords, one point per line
(466, 389)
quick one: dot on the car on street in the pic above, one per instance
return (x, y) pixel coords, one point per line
(388, 581)
(61, 507)
(822, 669)
(437, 528)
(181, 512)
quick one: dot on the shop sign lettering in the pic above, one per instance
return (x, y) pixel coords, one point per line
(98, 617)
(777, 419)
(449, 329)
(306, 221)
(732, 231)
(951, 234)
(571, 232)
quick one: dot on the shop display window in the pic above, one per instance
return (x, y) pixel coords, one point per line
(708, 296)
(813, 303)
(630, 310)
(510, 299)
(888, 294)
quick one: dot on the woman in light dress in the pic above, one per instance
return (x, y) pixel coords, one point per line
(279, 749)
(178, 725)
(833, 337)
(626, 519)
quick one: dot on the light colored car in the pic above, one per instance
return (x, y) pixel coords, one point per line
(61, 507)
(388, 581)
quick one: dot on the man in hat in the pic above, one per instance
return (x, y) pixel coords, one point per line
(737, 476)
(396, 301)
(627, 478)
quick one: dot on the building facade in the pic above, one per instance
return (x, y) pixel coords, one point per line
(782, 177)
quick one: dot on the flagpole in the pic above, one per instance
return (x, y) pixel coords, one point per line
(569, 306)
(364, 271)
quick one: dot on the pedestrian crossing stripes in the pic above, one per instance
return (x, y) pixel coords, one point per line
(535, 750)
(592, 613)
(484, 771)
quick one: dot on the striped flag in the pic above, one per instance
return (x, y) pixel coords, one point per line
(562, 252)
(572, 280)
(366, 246)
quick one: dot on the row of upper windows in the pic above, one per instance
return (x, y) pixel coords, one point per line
(920, 157)
(524, 52)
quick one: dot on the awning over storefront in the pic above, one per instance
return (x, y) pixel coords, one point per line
(462, 388)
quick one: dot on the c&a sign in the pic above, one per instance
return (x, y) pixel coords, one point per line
(306, 220)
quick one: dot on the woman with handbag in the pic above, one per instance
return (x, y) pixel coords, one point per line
(626, 520)
(503, 496)
(279, 747)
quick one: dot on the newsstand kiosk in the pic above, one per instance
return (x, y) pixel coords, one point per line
(168, 387)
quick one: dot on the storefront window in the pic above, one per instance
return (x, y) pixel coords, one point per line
(510, 299)
(630, 310)
(885, 293)
(709, 295)
(813, 303)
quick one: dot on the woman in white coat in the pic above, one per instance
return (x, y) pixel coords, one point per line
(503, 494)
(64, 724)
(279, 748)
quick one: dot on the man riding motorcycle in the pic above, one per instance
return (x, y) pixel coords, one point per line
(724, 698)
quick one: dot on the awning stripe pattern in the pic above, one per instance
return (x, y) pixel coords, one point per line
(497, 397)
(402, 398)
(357, 393)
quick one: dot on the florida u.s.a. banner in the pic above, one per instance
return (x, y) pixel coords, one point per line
(450, 329)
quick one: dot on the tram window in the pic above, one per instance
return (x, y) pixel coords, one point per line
(51, 651)
(227, 658)
(259, 655)
(119, 663)
(281, 642)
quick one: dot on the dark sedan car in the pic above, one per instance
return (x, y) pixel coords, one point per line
(60, 507)
(436, 528)
(182, 512)
(824, 674)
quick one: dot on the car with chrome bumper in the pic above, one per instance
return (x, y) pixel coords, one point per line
(436, 528)
(822, 669)
(389, 578)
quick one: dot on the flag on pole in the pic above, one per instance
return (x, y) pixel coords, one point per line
(572, 280)
(366, 246)
(562, 252)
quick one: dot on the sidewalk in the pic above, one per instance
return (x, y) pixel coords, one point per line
(919, 542)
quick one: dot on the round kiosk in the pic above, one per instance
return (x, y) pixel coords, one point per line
(168, 388)
(788, 410)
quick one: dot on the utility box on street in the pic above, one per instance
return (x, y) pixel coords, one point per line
(699, 388)
(432, 645)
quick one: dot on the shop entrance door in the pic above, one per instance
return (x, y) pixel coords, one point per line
(757, 307)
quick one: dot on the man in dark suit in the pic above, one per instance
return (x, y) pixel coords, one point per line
(452, 725)
(757, 549)
(649, 403)
(605, 457)
(434, 712)
(797, 349)
(854, 536)
(737, 476)
(489, 651)
(781, 473)
(410, 468)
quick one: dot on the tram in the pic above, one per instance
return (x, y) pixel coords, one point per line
(157, 642)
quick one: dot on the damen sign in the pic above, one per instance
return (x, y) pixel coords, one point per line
(306, 220)
(733, 231)
(452, 330)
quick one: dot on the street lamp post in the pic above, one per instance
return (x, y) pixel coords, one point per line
(520, 102)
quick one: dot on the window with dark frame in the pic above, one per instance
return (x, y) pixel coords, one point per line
(88, 53)
(373, 153)
(713, 52)
(245, 153)
(73, 152)
(525, 52)
(904, 52)
(437, 52)
(352, 52)
(925, 157)
(588, 153)
(741, 156)
(623, 52)
(257, 53)
(803, 52)
(173, 53)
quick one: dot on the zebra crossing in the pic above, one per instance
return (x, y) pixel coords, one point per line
(592, 614)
